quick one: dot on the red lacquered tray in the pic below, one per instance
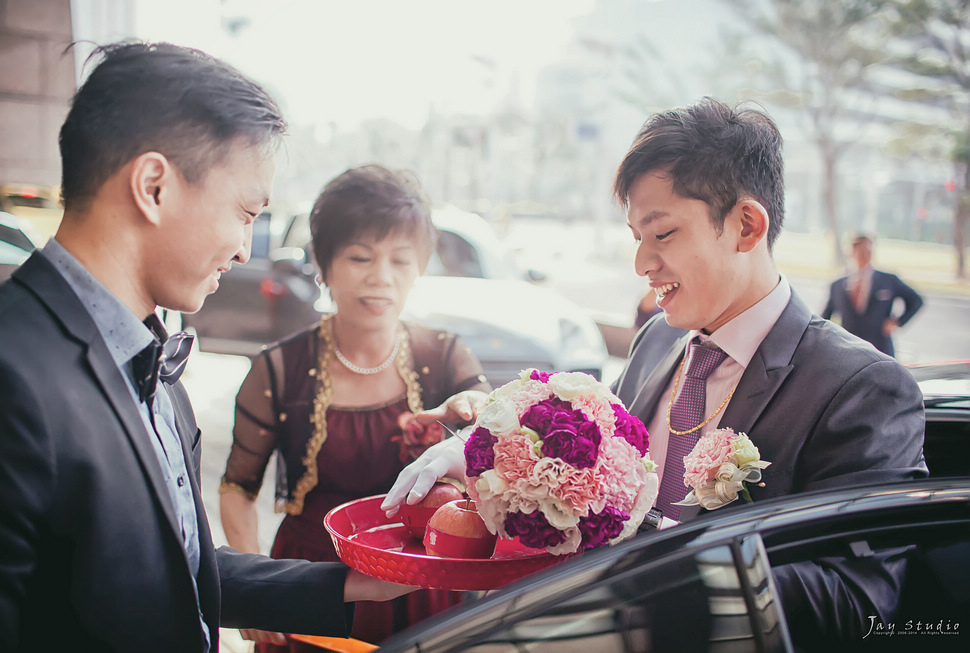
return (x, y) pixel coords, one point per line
(366, 540)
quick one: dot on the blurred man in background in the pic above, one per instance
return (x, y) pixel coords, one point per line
(864, 299)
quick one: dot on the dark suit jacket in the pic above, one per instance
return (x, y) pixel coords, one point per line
(868, 324)
(90, 551)
(826, 410)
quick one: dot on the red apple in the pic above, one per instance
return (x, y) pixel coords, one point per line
(456, 530)
(416, 517)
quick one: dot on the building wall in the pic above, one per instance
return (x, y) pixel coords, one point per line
(37, 81)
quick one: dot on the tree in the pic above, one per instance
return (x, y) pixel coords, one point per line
(828, 51)
(932, 44)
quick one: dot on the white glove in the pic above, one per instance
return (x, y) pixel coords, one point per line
(447, 458)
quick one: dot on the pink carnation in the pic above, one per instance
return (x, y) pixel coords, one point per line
(619, 463)
(577, 488)
(712, 450)
(531, 392)
(597, 410)
(515, 458)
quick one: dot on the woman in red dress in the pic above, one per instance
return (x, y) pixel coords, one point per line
(330, 400)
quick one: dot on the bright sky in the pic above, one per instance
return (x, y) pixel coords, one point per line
(348, 60)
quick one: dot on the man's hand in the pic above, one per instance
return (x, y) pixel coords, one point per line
(359, 587)
(462, 408)
(447, 458)
(889, 326)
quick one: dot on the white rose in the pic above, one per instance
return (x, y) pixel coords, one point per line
(569, 385)
(499, 417)
(557, 514)
(489, 484)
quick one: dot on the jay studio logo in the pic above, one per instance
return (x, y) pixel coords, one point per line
(911, 627)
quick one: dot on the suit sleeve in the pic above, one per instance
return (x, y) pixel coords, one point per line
(26, 483)
(288, 596)
(828, 602)
(871, 432)
(912, 300)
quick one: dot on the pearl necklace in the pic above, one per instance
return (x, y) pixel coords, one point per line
(356, 369)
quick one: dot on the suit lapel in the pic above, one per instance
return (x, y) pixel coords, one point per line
(768, 369)
(47, 284)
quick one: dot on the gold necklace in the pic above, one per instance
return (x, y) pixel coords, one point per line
(673, 393)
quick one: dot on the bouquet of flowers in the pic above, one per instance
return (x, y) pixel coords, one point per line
(556, 460)
(717, 468)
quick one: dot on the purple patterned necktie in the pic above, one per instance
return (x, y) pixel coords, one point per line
(686, 413)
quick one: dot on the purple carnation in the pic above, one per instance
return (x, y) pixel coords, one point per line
(601, 527)
(539, 376)
(566, 433)
(631, 429)
(576, 447)
(533, 529)
(480, 452)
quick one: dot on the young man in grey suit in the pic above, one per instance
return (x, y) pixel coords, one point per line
(703, 191)
(864, 300)
(168, 157)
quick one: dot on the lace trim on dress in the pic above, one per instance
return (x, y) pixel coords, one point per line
(403, 363)
(228, 486)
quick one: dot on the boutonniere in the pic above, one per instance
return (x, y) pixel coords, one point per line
(717, 468)
(415, 438)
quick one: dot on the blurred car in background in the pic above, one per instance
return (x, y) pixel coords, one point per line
(471, 288)
(17, 240)
(39, 205)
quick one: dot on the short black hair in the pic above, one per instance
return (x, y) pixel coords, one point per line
(370, 201)
(145, 97)
(714, 153)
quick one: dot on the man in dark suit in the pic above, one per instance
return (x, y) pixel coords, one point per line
(168, 156)
(704, 195)
(864, 300)
(703, 188)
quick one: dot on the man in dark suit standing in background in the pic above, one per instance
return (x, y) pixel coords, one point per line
(864, 300)
(168, 157)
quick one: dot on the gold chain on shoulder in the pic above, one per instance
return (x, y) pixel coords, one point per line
(673, 393)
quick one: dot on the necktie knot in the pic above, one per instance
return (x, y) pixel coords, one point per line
(160, 360)
(702, 361)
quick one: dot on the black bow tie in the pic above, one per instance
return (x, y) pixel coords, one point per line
(164, 358)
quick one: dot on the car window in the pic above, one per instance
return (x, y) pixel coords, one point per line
(683, 603)
(16, 238)
(454, 257)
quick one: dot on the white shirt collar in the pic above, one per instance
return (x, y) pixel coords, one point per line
(741, 336)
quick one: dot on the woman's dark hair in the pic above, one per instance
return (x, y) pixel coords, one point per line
(370, 201)
(159, 97)
(713, 153)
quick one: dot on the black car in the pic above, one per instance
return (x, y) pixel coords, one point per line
(707, 585)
